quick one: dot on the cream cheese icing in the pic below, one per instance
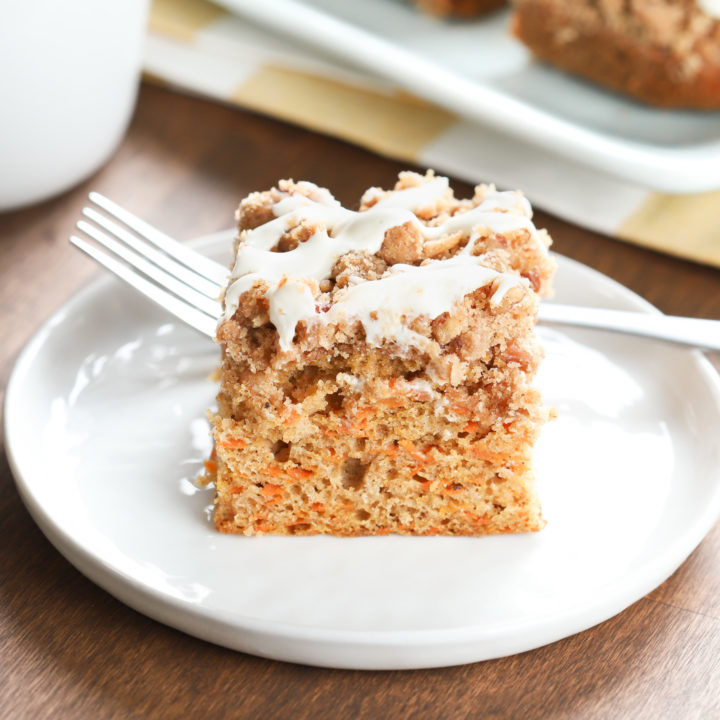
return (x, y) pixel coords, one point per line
(383, 306)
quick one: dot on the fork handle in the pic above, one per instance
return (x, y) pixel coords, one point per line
(687, 331)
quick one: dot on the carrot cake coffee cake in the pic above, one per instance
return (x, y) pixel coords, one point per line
(378, 365)
(665, 52)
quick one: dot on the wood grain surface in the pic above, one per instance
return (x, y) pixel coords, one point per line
(70, 650)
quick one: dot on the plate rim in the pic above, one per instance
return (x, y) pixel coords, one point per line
(332, 646)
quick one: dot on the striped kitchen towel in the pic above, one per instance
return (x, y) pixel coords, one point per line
(201, 47)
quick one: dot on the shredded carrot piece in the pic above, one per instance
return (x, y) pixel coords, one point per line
(364, 413)
(481, 519)
(357, 430)
(411, 450)
(334, 457)
(390, 450)
(318, 507)
(210, 466)
(272, 490)
(273, 471)
(297, 473)
(292, 418)
(423, 455)
(471, 427)
(236, 443)
(484, 454)
(392, 402)
(460, 409)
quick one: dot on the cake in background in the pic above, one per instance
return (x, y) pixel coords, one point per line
(663, 52)
(378, 365)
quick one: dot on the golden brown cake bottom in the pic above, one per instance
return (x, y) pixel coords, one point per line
(378, 462)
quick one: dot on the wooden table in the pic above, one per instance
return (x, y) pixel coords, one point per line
(70, 650)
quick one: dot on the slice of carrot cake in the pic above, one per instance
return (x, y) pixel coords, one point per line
(664, 52)
(378, 365)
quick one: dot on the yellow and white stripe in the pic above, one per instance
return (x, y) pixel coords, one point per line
(200, 47)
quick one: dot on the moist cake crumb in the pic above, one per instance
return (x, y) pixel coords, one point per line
(378, 365)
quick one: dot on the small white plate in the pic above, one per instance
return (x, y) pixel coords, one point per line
(479, 71)
(105, 431)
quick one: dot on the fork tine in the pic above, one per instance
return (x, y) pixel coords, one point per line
(193, 297)
(182, 310)
(188, 275)
(199, 263)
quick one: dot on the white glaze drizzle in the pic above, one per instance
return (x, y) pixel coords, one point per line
(414, 198)
(383, 306)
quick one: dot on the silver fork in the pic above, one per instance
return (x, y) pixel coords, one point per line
(179, 279)
(188, 284)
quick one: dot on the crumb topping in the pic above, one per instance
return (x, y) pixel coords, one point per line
(304, 261)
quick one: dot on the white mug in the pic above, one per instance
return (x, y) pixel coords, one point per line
(69, 73)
